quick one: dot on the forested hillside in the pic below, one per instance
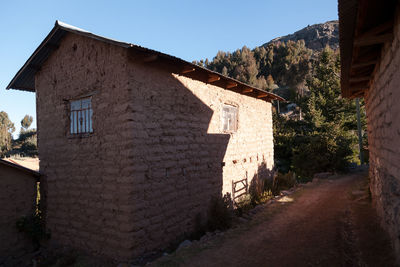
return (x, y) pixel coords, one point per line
(281, 65)
(316, 130)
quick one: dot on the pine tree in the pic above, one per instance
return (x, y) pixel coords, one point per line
(330, 144)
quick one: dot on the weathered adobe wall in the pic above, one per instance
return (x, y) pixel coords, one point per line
(383, 113)
(155, 158)
(250, 149)
(86, 198)
(17, 199)
(181, 144)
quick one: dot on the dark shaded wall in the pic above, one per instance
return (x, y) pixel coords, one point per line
(383, 113)
(17, 199)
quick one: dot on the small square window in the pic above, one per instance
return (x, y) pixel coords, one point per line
(229, 118)
(81, 116)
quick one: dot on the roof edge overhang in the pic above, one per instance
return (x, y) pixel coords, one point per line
(35, 174)
(364, 27)
(25, 77)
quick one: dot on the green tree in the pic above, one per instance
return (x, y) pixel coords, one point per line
(26, 122)
(6, 130)
(26, 144)
(287, 64)
(325, 140)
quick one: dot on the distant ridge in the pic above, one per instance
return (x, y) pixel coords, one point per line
(277, 68)
(316, 36)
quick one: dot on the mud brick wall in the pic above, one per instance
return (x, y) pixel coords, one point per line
(383, 113)
(250, 150)
(157, 154)
(17, 199)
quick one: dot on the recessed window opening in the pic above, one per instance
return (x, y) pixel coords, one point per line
(81, 116)
(229, 118)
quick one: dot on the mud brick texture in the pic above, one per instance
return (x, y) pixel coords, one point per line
(17, 199)
(155, 158)
(383, 113)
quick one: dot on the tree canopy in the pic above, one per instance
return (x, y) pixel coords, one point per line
(25, 145)
(266, 67)
(326, 139)
(6, 130)
(26, 122)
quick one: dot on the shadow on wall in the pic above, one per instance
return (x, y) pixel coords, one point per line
(262, 188)
(261, 181)
(269, 183)
(183, 162)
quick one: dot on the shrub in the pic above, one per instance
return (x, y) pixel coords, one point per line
(244, 204)
(220, 213)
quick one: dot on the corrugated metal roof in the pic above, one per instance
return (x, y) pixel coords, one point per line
(25, 77)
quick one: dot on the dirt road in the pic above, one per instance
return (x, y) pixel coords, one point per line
(329, 223)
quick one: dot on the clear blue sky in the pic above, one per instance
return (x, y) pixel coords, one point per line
(188, 29)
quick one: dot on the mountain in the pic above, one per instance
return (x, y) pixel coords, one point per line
(316, 36)
(283, 65)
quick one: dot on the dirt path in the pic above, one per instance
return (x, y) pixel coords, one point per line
(329, 223)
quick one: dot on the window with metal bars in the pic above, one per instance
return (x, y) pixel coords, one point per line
(229, 118)
(81, 116)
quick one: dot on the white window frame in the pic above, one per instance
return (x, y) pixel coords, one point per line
(81, 116)
(229, 118)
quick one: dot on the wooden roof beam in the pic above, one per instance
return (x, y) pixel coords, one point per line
(230, 85)
(247, 90)
(357, 87)
(358, 93)
(187, 69)
(363, 64)
(213, 78)
(262, 95)
(359, 79)
(381, 28)
(376, 35)
(366, 40)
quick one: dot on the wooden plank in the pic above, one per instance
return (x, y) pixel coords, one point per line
(247, 90)
(365, 40)
(356, 87)
(261, 95)
(187, 70)
(242, 194)
(359, 79)
(231, 85)
(213, 78)
(382, 28)
(363, 64)
(358, 93)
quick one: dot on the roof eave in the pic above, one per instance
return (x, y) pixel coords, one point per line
(40, 55)
(35, 174)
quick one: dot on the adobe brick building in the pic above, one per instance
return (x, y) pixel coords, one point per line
(18, 192)
(370, 53)
(133, 143)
